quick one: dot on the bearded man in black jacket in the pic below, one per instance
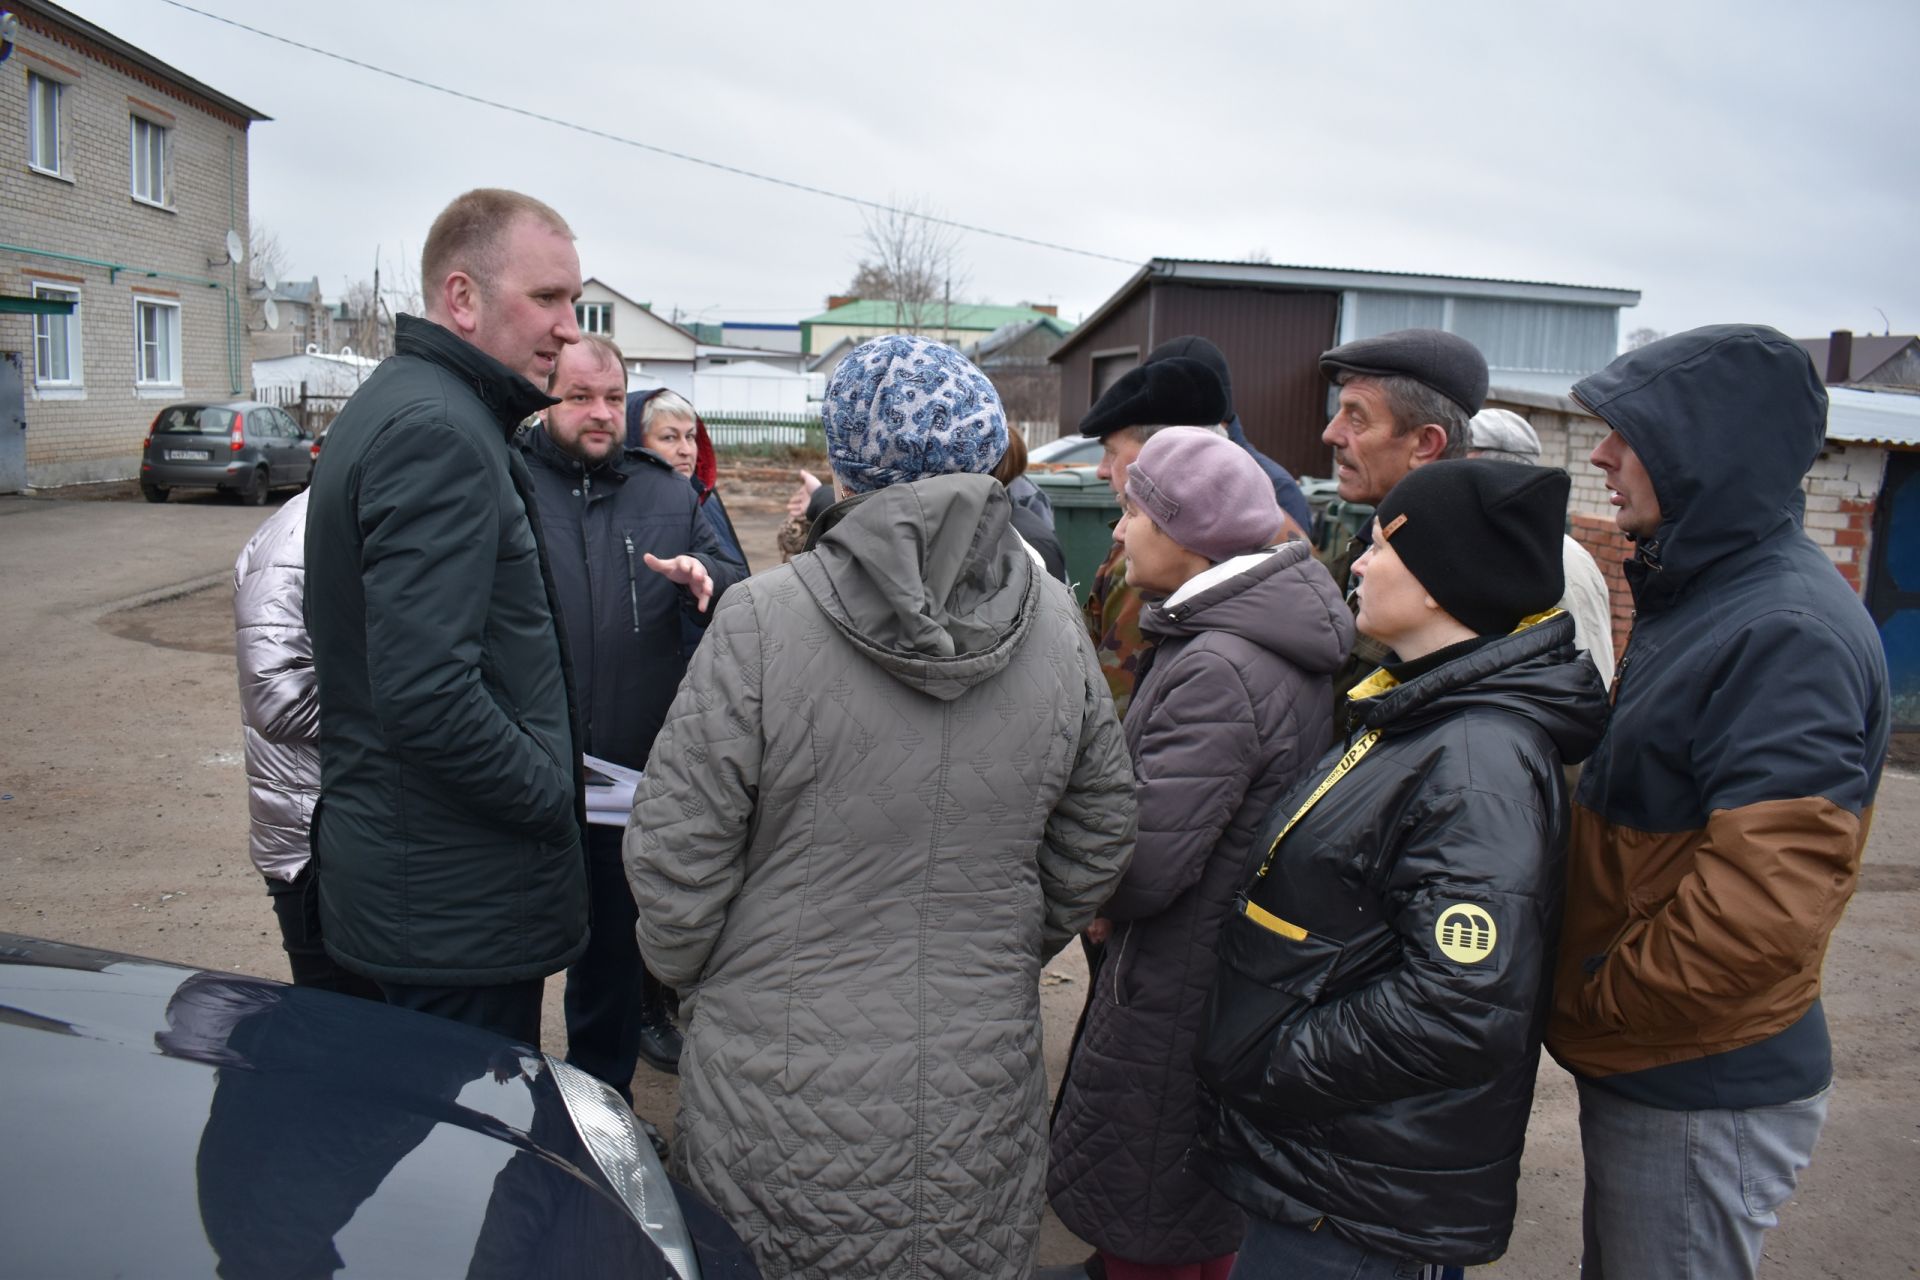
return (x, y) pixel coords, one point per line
(632, 557)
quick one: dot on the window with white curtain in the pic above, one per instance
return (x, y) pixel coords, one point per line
(43, 122)
(149, 143)
(156, 356)
(56, 340)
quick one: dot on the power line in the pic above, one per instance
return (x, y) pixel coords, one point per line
(602, 134)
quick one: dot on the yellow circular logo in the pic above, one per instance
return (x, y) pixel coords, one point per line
(1466, 933)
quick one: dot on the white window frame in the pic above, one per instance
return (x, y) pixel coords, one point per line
(157, 157)
(604, 310)
(73, 386)
(39, 103)
(168, 345)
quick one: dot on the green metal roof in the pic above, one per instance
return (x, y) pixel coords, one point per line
(880, 314)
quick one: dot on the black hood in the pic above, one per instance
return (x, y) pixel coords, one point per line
(1727, 420)
(1535, 673)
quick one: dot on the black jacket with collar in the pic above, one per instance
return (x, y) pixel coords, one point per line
(1362, 1066)
(623, 621)
(448, 833)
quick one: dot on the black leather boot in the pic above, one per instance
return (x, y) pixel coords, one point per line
(659, 1039)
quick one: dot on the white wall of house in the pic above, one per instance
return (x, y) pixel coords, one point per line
(640, 335)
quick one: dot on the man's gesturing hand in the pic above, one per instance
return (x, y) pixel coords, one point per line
(687, 572)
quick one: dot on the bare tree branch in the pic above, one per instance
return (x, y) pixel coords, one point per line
(911, 261)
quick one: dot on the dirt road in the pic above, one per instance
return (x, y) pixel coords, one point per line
(123, 825)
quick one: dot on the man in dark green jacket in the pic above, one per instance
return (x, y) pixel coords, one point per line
(448, 831)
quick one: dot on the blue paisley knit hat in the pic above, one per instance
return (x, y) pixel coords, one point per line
(901, 409)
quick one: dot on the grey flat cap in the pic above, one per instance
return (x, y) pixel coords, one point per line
(1446, 362)
(1504, 430)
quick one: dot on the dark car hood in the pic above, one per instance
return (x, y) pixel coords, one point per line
(164, 1120)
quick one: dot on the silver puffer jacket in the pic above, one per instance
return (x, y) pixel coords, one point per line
(277, 702)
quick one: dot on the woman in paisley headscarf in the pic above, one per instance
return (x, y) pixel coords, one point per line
(891, 786)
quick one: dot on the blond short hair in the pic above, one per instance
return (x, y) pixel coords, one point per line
(466, 236)
(600, 348)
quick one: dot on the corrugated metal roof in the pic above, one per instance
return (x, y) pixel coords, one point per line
(875, 313)
(1873, 417)
(1395, 281)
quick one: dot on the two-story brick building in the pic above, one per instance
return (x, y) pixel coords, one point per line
(121, 179)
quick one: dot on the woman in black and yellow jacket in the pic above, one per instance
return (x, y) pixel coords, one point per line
(1371, 1036)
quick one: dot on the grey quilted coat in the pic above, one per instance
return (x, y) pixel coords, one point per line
(279, 714)
(890, 786)
(1236, 704)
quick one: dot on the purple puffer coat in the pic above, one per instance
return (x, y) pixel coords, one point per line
(1237, 701)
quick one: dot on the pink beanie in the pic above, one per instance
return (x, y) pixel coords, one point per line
(1204, 492)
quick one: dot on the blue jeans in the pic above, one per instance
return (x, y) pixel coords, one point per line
(1274, 1251)
(1687, 1193)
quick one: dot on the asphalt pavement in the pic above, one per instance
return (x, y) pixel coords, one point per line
(123, 825)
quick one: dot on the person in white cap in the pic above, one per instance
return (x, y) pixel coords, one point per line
(1505, 436)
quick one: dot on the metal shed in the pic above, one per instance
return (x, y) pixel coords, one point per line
(1272, 322)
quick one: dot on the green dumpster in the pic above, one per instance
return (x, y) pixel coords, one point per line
(1084, 513)
(1340, 523)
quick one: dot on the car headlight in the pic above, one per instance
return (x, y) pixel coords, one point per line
(625, 1154)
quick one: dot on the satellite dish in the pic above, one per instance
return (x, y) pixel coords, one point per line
(271, 310)
(270, 276)
(235, 249)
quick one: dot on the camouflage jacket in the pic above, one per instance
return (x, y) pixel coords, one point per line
(1113, 619)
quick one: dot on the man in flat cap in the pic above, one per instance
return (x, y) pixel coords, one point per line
(1174, 392)
(1405, 400)
(1286, 490)
(1505, 436)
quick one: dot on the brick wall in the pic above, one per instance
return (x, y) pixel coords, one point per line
(1611, 550)
(1841, 489)
(93, 431)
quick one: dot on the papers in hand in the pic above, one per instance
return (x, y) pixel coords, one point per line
(609, 791)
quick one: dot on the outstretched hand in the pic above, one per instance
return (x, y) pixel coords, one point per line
(685, 571)
(802, 493)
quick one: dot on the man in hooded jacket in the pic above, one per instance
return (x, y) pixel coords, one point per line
(890, 787)
(1718, 828)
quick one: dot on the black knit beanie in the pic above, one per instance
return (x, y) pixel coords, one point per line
(1483, 537)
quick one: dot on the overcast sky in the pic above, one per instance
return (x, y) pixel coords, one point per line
(1751, 161)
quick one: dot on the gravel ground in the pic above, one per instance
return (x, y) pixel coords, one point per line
(123, 825)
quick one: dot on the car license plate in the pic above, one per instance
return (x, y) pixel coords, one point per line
(187, 455)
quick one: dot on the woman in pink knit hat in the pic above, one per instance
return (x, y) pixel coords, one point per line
(1233, 701)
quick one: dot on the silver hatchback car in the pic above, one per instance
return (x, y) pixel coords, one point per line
(241, 447)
